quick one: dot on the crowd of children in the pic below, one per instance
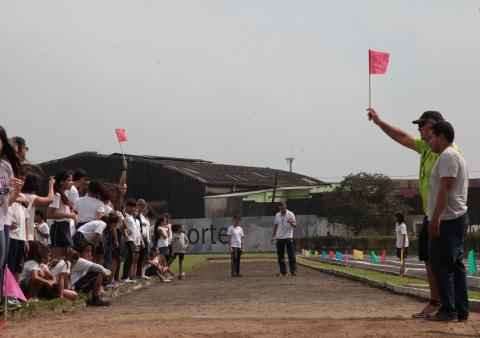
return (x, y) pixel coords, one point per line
(75, 239)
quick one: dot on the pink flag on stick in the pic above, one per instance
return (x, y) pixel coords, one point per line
(121, 134)
(10, 286)
(378, 62)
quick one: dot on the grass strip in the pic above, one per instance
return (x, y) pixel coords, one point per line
(374, 275)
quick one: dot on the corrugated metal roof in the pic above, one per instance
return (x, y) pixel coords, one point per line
(213, 173)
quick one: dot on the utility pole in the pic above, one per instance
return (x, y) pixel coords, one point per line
(290, 162)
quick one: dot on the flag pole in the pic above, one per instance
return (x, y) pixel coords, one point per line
(369, 90)
(123, 153)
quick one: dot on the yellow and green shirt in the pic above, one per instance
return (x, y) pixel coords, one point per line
(427, 160)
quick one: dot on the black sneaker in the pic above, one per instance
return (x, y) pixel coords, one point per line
(294, 274)
(97, 301)
(442, 317)
(238, 275)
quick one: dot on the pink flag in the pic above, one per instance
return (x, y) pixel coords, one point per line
(10, 286)
(378, 62)
(121, 134)
(346, 257)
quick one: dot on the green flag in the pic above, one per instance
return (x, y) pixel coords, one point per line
(472, 265)
(374, 257)
(312, 252)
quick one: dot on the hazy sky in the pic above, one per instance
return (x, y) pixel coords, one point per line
(239, 82)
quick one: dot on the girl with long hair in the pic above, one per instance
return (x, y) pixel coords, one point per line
(60, 211)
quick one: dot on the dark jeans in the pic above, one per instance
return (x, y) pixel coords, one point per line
(446, 261)
(128, 260)
(236, 253)
(289, 243)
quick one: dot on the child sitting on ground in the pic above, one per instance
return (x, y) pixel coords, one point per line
(87, 276)
(35, 279)
(61, 268)
(179, 246)
(153, 268)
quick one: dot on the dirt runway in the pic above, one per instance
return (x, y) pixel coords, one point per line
(210, 303)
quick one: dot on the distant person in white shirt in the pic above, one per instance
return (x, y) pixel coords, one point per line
(283, 236)
(79, 183)
(179, 245)
(401, 236)
(236, 245)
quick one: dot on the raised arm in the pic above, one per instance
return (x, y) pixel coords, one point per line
(395, 134)
(49, 198)
(123, 177)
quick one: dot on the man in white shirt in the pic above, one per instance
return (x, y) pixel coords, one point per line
(448, 223)
(283, 236)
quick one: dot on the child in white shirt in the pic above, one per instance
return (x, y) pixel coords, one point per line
(36, 277)
(179, 246)
(235, 245)
(42, 231)
(87, 276)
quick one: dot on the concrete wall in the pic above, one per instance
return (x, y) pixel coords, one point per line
(209, 235)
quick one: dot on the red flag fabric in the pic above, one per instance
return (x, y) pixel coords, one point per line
(121, 134)
(384, 256)
(378, 62)
(10, 286)
(331, 254)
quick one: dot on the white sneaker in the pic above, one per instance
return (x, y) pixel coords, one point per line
(128, 280)
(166, 280)
(146, 277)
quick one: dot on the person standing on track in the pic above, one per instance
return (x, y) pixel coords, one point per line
(427, 160)
(235, 244)
(448, 224)
(401, 237)
(283, 236)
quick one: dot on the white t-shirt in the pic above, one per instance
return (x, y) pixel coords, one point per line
(178, 240)
(450, 163)
(61, 208)
(169, 226)
(31, 219)
(72, 194)
(19, 215)
(145, 228)
(82, 266)
(90, 228)
(236, 233)
(45, 230)
(6, 175)
(28, 267)
(87, 209)
(284, 229)
(62, 266)
(400, 230)
(134, 226)
(162, 242)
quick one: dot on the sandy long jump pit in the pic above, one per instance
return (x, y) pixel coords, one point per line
(210, 303)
